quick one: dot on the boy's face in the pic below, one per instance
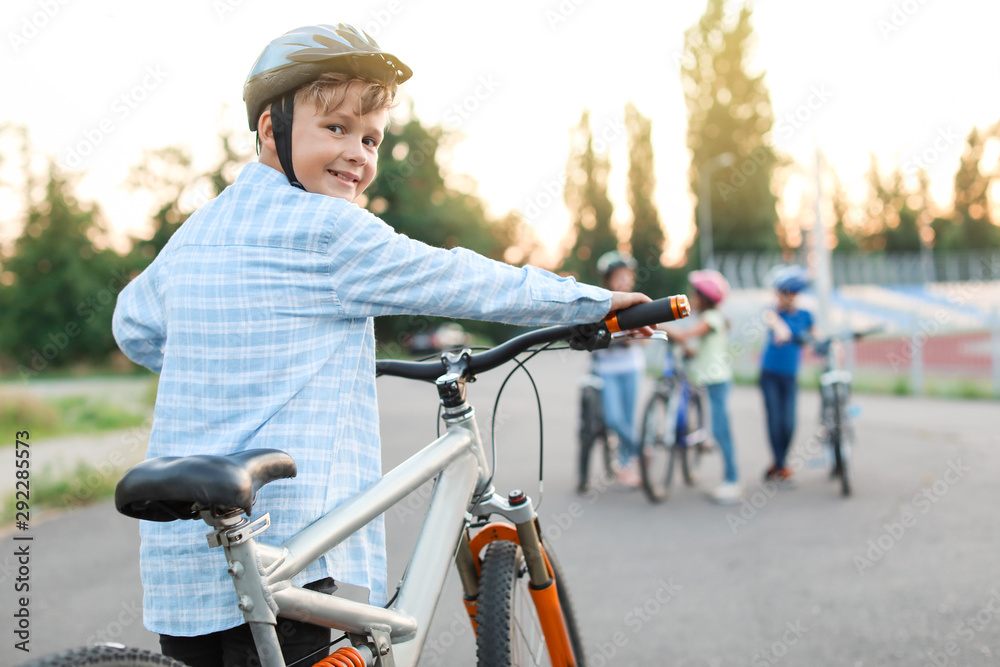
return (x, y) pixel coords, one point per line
(786, 300)
(622, 280)
(336, 153)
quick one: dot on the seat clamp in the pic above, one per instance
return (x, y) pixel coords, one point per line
(238, 534)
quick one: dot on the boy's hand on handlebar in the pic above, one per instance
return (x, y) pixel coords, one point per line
(622, 300)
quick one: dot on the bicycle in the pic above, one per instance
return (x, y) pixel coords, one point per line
(592, 431)
(514, 591)
(836, 429)
(673, 429)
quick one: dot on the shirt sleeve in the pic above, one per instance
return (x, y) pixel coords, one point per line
(138, 323)
(376, 271)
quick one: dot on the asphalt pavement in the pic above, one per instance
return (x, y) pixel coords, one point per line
(903, 573)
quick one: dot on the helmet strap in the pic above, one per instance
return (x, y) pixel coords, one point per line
(281, 124)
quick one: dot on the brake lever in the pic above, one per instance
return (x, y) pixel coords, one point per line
(589, 337)
(633, 335)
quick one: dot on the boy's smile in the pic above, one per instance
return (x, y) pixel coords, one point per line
(335, 153)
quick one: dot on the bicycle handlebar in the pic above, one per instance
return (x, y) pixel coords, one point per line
(634, 317)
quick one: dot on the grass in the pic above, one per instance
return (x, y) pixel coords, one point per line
(83, 485)
(898, 385)
(62, 416)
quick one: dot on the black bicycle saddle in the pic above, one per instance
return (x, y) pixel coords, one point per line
(171, 487)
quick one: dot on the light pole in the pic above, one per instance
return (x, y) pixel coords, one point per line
(705, 205)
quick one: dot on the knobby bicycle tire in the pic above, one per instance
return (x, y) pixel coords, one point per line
(839, 443)
(593, 433)
(656, 456)
(509, 632)
(104, 656)
(691, 453)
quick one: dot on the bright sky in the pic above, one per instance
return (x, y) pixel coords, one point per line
(905, 79)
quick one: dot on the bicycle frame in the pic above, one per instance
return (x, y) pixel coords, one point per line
(458, 461)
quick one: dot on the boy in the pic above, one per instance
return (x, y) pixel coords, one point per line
(258, 317)
(789, 328)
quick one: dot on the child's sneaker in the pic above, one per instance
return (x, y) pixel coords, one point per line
(727, 493)
(628, 478)
(783, 477)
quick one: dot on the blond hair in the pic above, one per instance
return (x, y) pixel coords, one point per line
(329, 91)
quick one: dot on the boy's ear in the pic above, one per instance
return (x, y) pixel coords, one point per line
(265, 131)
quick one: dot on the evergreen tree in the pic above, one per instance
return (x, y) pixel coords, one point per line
(59, 290)
(169, 175)
(586, 197)
(844, 237)
(411, 194)
(901, 232)
(971, 225)
(729, 111)
(648, 239)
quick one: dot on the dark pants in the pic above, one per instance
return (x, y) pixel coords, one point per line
(235, 647)
(779, 402)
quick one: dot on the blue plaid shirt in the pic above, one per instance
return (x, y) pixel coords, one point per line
(258, 317)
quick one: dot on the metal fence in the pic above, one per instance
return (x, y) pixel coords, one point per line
(750, 270)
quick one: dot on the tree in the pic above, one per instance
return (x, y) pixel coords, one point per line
(411, 194)
(971, 225)
(729, 111)
(648, 239)
(169, 175)
(844, 238)
(417, 197)
(58, 289)
(586, 197)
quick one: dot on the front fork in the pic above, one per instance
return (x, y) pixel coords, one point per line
(543, 585)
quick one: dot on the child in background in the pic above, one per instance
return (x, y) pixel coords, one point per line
(711, 368)
(789, 328)
(621, 367)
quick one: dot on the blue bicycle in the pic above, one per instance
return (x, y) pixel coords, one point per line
(673, 431)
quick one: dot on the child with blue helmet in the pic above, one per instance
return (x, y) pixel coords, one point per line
(789, 328)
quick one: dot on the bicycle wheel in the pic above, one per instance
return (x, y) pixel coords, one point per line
(509, 629)
(695, 437)
(656, 460)
(99, 656)
(593, 434)
(839, 442)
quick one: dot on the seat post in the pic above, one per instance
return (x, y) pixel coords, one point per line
(235, 533)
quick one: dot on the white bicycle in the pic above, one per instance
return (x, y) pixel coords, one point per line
(514, 591)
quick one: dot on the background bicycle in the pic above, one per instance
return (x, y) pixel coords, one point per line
(594, 440)
(674, 429)
(836, 413)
